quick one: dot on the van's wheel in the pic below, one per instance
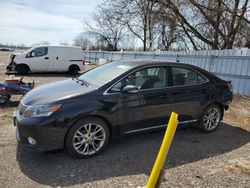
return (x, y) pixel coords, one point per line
(87, 137)
(73, 70)
(210, 118)
(22, 69)
(3, 100)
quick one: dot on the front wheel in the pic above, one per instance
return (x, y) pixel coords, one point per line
(87, 137)
(210, 118)
(22, 69)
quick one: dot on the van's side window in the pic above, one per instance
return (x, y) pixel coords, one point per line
(38, 52)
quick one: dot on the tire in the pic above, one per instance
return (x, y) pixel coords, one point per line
(22, 69)
(8, 96)
(73, 70)
(3, 100)
(210, 118)
(81, 140)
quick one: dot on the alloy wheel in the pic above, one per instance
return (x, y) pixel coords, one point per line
(89, 139)
(211, 118)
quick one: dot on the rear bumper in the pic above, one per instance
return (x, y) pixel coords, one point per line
(226, 104)
(47, 135)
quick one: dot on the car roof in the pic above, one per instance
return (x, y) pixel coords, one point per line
(142, 62)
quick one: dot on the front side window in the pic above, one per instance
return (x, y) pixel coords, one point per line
(148, 78)
(37, 52)
(185, 76)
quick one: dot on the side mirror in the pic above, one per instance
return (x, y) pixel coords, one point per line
(130, 89)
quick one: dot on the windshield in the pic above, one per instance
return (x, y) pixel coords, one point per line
(105, 73)
(29, 50)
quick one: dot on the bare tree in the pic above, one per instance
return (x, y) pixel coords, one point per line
(82, 41)
(138, 17)
(217, 23)
(107, 29)
(168, 31)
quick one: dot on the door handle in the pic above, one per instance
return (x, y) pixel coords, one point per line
(56, 57)
(46, 58)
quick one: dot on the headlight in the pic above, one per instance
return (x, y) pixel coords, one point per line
(41, 110)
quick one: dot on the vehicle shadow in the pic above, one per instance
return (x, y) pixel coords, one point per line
(129, 156)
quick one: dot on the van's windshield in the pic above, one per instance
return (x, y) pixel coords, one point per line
(105, 73)
(29, 50)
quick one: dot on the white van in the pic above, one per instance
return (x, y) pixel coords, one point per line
(48, 59)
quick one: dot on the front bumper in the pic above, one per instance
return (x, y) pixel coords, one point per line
(11, 66)
(47, 133)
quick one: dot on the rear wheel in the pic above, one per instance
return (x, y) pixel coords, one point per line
(3, 99)
(73, 70)
(22, 69)
(210, 118)
(87, 138)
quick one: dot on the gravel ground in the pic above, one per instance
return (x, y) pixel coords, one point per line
(219, 159)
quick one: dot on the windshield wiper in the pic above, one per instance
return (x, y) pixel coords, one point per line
(83, 82)
(73, 78)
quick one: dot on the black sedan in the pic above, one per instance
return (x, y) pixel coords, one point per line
(115, 99)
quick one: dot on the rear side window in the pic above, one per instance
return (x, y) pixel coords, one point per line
(185, 76)
(41, 51)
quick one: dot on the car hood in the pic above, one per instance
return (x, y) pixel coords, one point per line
(53, 92)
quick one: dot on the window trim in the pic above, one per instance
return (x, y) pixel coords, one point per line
(190, 68)
(149, 66)
(34, 50)
(169, 77)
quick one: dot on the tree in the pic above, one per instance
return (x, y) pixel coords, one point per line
(138, 17)
(216, 23)
(168, 31)
(106, 28)
(82, 41)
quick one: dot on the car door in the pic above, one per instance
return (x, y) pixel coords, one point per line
(188, 91)
(38, 59)
(147, 107)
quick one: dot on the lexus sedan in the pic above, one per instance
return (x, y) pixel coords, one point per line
(115, 99)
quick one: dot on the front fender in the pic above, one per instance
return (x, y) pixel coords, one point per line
(73, 112)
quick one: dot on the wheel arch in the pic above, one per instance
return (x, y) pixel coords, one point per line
(74, 65)
(22, 64)
(217, 103)
(109, 124)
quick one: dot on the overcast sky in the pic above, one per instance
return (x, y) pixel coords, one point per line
(33, 21)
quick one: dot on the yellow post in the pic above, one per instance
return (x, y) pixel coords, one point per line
(159, 162)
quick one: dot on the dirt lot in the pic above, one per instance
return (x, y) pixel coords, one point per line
(219, 159)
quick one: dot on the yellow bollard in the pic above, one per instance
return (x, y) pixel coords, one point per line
(159, 162)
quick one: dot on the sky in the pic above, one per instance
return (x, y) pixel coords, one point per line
(33, 21)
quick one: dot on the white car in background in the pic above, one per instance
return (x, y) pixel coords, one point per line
(48, 59)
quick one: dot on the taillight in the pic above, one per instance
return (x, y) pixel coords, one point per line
(230, 86)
